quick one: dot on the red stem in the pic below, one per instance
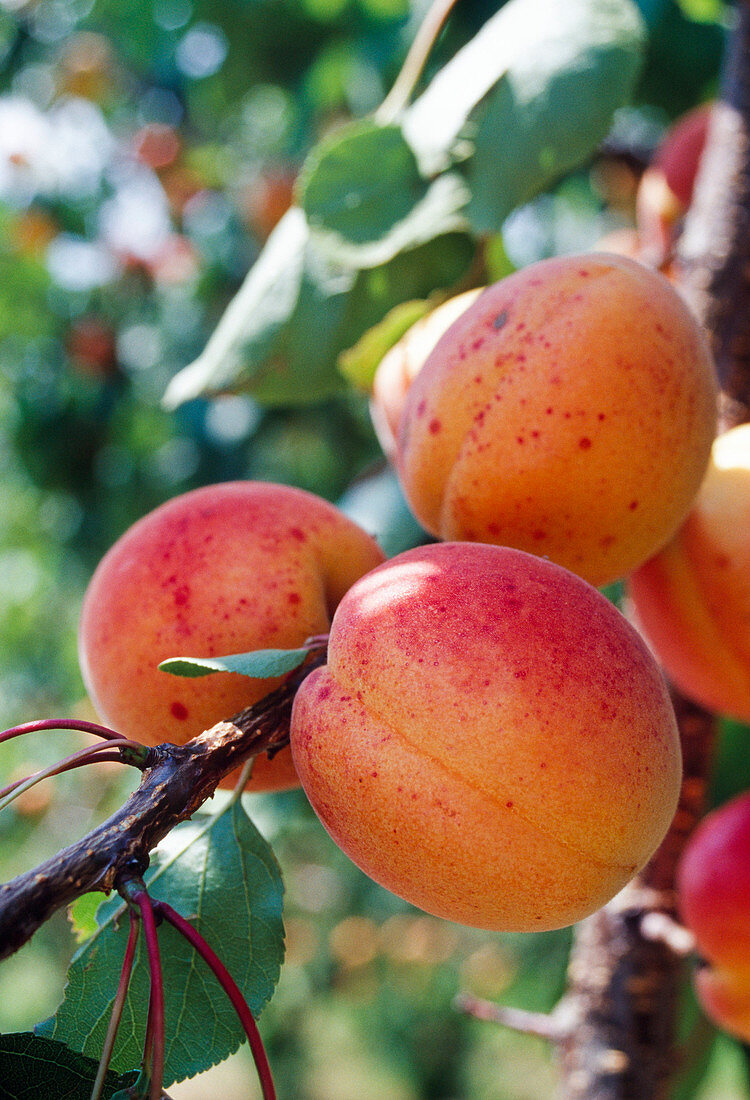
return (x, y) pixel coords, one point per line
(232, 991)
(62, 724)
(117, 1006)
(155, 1026)
(87, 755)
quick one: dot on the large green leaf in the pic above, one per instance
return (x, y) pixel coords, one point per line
(219, 872)
(555, 104)
(33, 1067)
(276, 339)
(281, 337)
(558, 70)
(366, 200)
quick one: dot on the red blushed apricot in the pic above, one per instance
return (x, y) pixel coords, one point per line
(713, 885)
(224, 569)
(725, 998)
(692, 599)
(568, 412)
(400, 365)
(490, 739)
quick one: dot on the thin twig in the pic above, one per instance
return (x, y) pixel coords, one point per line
(552, 1026)
(416, 58)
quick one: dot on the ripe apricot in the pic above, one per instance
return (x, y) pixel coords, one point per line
(713, 885)
(692, 599)
(223, 569)
(400, 365)
(490, 738)
(568, 412)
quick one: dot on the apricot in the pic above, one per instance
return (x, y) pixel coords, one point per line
(568, 412)
(665, 191)
(400, 365)
(713, 885)
(692, 599)
(713, 890)
(490, 739)
(223, 569)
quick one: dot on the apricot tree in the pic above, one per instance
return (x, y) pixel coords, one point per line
(485, 733)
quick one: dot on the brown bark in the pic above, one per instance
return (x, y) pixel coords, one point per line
(176, 782)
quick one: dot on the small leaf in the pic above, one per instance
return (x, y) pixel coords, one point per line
(260, 663)
(218, 872)
(360, 362)
(82, 915)
(36, 1067)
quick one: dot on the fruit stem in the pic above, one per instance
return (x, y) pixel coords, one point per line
(416, 58)
(117, 1007)
(232, 991)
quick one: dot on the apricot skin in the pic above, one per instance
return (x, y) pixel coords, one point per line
(692, 599)
(224, 569)
(568, 412)
(490, 739)
(713, 885)
(713, 888)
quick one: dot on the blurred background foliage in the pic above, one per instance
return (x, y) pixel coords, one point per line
(147, 149)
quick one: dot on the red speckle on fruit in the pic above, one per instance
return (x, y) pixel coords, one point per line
(179, 711)
(421, 407)
(434, 426)
(182, 595)
(633, 505)
(298, 534)
(584, 443)
(294, 597)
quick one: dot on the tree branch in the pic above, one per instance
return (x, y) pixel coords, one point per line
(177, 781)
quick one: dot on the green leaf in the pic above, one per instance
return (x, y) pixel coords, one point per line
(34, 1067)
(555, 60)
(260, 663)
(219, 872)
(360, 182)
(555, 103)
(82, 915)
(277, 338)
(359, 363)
(365, 198)
(294, 359)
